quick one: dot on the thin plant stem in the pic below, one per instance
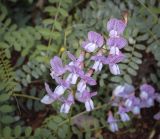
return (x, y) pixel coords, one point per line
(50, 38)
(84, 112)
(25, 96)
(148, 9)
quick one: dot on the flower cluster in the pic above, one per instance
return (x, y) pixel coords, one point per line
(126, 101)
(74, 78)
(115, 42)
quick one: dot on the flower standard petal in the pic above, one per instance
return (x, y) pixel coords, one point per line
(96, 38)
(116, 25)
(57, 68)
(119, 42)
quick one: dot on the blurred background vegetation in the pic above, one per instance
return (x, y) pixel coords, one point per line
(33, 31)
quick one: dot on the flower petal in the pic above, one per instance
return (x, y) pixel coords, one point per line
(47, 99)
(117, 25)
(95, 38)
(57, 66)
(114, 69)
(117, 42)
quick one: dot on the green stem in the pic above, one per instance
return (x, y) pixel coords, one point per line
(148, 9)
(50, 38)
(84, 112)
(25, 96)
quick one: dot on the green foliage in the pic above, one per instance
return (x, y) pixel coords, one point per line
(29, 41)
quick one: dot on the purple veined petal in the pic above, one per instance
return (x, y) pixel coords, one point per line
(95, 38)
(119, 42)
(92, 36)
(116, 25)
(157, 116)
(99, 58)
(89, 105)
(89, 80)
(89, 46)
(113, 59)
(86, 96)
(47, 99)
(100, 41)
(61, 82)
(114, 51)
(74, 69)
(57, 66)
(114, 69)
(65, 108)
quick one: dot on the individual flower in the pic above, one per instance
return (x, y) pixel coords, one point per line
(123, 114)
(75, 72)
(59, 90)
(76, 61)
(116, 43)
(86, 99)
(85, 79)
(67, 104)
(57, 67)
(112, 122)
(115, 27)
(147, 91)
(112, 61)
(94, 41)
(98, 62)
(123, 90)
(147, 95)
(51, 96)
